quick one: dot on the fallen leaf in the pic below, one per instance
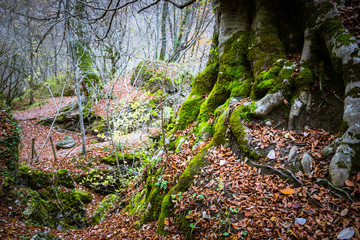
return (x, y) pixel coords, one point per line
(287, 191)
(346, 233)
(344, 212)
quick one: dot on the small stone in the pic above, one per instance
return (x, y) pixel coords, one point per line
(300, 221)
(327, 152)
(66, 142)
(222, 162)
(292, 153)
(271, 155)
(234, 100)
(268, 123)
(206, 136)
(306, 162)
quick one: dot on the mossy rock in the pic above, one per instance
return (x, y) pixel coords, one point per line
(55, 209)
(103, 209)
(64, 178)
(44, 236)
(122, 157)
(84, 196)
(33, 178)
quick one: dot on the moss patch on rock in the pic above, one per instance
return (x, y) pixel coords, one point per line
(56, 209)
(84, 196)
(64, 178)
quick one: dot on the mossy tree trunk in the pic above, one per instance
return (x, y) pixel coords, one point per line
(91, 79)
(251, 42)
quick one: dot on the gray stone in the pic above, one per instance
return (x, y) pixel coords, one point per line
(66, 142)
(306, 162)
(271, 155)
(234, 100)
(268, 123)
(206, 136)
(292, 153)
(327, 151)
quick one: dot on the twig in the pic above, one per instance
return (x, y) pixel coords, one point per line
(294, 177)
(335, 188)
(53, 149)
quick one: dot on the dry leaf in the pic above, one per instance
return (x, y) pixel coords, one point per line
(287, 191)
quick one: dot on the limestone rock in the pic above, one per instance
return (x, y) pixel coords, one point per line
(327, 151)
(206, 136)
(292, 153)
(271, 155)
(306, 162)
(103, 209)
(66, 142)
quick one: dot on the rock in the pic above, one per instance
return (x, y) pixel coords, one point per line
(300, 221)
(234, 100)
(206, 136)
(44, 236)
(292, 153)
(66, 142)
(340, 165)
(268, 123)
(327, 151)
(271, 155)
(64, 178)
(306, 162)
(222, 162)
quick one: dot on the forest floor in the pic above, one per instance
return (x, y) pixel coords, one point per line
(249, 201)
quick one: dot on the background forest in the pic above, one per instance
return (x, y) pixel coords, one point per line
(179, 119)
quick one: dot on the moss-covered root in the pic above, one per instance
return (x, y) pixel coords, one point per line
(184, 182)
(345, 57)
(103, 209)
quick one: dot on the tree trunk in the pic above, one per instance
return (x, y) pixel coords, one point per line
(250, 58)
(164, 15)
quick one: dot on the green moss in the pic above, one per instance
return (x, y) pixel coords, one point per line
(265, 49)
(304, 79)
(99, 126)
(189, 111)
(334, 28)
(233, 65)
(240, 88)
(55, 209)
(64, 178)
(84, 196)
(344, 127)
(184, 182)
(91, 77)
(103, 209)
(127, 157)
(32, 178)
(342, 164)
(353, 93)
(238, 129)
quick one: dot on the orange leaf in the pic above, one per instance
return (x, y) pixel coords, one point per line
(287, 191)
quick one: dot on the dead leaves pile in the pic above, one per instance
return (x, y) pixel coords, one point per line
(231, 198)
